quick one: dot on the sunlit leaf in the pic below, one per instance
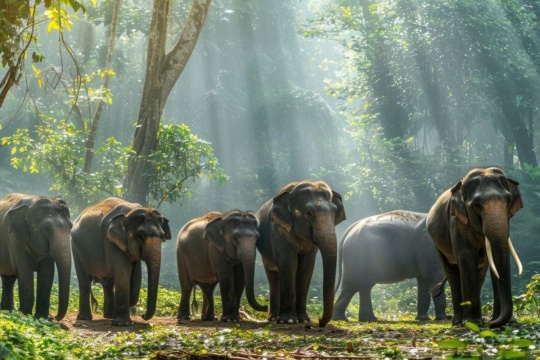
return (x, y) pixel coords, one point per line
(472, 326)
(511, 354)
(452, 344)
(523, 343)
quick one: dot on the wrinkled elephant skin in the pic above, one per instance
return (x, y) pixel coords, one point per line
(218, 248)
(110, 239)
(293, 226)
(469, 224)
(385, 249)
(34, 237)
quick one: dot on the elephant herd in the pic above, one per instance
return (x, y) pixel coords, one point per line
(465, 232)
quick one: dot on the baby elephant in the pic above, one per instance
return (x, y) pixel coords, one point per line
(218, 247)
(386, 249)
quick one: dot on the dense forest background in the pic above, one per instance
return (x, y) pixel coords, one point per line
(389, 102)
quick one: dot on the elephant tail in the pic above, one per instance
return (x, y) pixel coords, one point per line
(94, 301)
(438, 289)
(194, 303)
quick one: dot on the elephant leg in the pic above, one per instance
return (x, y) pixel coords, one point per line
(108, 298)
(45, 277)
(85, 289)
(228, 295)
(452, 275)
(208, 302)
(121, 298)
(470, 287)
(8, 284)
(26, 289)
(273, 283)
(239, 285)
(342, 302)
(135, 284)
(186, 286)
(287, 290)
(366, 308)
(183, 308)
(424, 299)
(306, 265)
(440, 307)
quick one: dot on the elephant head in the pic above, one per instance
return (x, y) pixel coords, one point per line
(235, 235)
(311, 210)
(138, 233)
(43, 226)
(483, 203)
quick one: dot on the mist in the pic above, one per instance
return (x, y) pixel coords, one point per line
(286, 91)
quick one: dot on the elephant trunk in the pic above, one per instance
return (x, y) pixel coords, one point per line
(151, 255)
(496, 230)
(328, 246)
(247, 257)
(61, 254)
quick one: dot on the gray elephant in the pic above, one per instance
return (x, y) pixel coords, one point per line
(385, 249)
(293, 226)
(469, 224)
(34, 237)
(218, 247)
(109, 241)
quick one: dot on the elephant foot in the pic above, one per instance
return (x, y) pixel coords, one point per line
(339, 317)
(422, 318)
(368, 319)
(108, 315)
(84, 317)
(122, 322)
(208, 318)
(44, 316)
(442, 317)
(304, 319)
(229, 319)
(287, 319)
(181, 318)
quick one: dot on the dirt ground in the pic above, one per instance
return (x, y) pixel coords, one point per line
(100, 326)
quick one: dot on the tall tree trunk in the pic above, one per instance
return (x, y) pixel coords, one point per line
(90, 142)
(162, 71)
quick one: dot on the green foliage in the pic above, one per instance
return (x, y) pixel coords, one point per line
(529, 302)
(180, 157)
(57, 150)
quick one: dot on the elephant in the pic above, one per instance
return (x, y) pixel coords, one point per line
(385, 249)
(293, 226)
(34, 237)
(470, 226)
(218, 248)
(109, 241)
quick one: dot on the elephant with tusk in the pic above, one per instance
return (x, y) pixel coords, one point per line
(469, 224)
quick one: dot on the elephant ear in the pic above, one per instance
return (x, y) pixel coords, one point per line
(516, 202)
(213, 233)
(64, 206)
(165, 227)
(116, 232)
(19, 227)
(457, 205)
(338, 201)
(281, 212)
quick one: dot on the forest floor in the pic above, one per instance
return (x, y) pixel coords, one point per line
(404, 338)
(262, 339)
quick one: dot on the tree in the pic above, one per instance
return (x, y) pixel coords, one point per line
(18, 21)
(162, 71)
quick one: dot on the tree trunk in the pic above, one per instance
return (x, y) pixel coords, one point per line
(162, 71)
(91, 140)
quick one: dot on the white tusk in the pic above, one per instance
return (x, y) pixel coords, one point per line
(490, 258)
(515, 256)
